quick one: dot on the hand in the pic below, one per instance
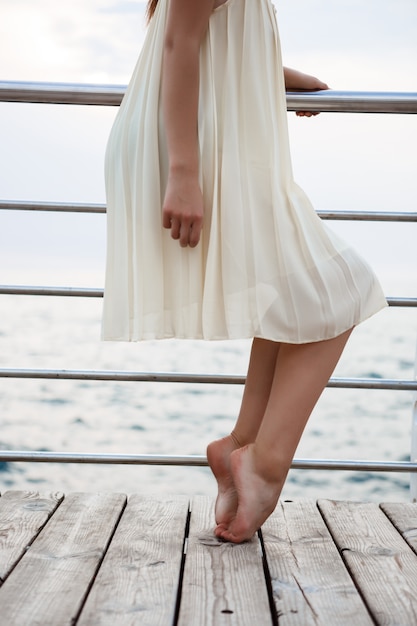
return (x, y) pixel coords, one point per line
(182, 211)
(298, 81)
(306, 113)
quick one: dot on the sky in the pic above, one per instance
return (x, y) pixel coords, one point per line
(343, 161)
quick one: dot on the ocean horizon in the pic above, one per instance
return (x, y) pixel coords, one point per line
(56, 153)
(179, 418)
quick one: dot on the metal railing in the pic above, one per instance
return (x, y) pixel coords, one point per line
(111, 95)
(97, 292)
(194, 460)
(100, 209)
(205, 379)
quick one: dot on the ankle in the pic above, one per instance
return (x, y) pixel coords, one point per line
(233, 436)
(270, 466)
(241, 439)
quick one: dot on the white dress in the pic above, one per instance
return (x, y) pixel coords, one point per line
(266, 265)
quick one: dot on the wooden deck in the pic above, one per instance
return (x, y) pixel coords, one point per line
(110, 559)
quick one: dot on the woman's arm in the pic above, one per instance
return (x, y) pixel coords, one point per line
(183, 204)
(298, 81)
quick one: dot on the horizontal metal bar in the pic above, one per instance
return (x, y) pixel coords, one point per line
(173, 377)
(60, 207)
(91, 292)
(373, 383)
(119, 376)
(61, 93)
(33, 456)
(368, 216)
(351, 465)
(111, 95)
(402, 302)
(81, 292)
(353, 102)
(68, 207)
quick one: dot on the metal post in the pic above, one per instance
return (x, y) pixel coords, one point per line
(413, 453)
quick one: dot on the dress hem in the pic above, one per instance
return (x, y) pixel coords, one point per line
(243, 336)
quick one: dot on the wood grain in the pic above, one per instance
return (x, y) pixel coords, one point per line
(48, 585)
(310, 583)
(223, 583)
(404, 517)
(382, 564)
(95, 561)
(22, 515)
(138, 580)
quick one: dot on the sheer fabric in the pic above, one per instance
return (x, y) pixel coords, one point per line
(266, 266)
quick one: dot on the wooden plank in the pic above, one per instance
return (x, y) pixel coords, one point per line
(382, 564)
(310, 584)
(48, 585)
(404, 517)
(138, 580)
(223, 583)
(22, 515)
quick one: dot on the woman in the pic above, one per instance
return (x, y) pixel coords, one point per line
(210, 238)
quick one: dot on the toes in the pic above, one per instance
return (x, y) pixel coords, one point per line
(220, 530)
(234, 532)
(227, 535)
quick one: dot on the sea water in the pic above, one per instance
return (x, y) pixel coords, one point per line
(178, 418)
(56, 153)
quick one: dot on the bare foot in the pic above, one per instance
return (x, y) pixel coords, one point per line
(257, 496)
(218, 456)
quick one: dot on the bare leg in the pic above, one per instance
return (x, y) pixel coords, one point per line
(259, 469)
(255, 399)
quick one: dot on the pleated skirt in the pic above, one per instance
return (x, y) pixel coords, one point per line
(266, 265)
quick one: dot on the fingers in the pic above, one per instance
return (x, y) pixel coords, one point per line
(186, 231)
(307, 113)
(195, 233)
(183, 209)
(175, 227)
(166, 219)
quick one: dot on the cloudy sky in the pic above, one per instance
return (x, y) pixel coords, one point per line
(55, 152)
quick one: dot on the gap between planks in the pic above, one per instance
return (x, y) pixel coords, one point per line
(122, 562)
